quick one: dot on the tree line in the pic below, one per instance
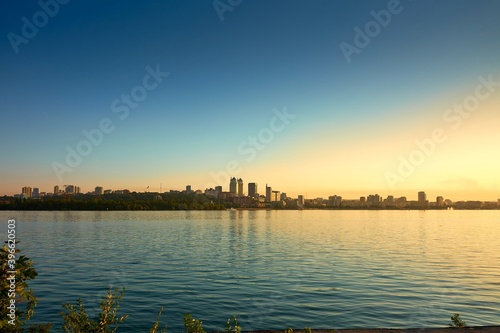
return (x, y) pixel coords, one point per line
(130, 201)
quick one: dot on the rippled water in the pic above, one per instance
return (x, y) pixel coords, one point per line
(273, 269)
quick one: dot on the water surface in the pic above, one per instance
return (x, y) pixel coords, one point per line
(273, 269)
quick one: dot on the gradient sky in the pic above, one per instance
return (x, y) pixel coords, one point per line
(227, 78)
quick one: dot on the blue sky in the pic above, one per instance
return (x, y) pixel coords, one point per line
(226, 78)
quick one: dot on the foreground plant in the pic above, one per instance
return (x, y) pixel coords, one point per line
(156, 325)
(14, 287)
(456, 321)
(76, 319)
(193, 325)
(233, 327)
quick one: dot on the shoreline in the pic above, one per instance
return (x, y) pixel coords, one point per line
(479, 329)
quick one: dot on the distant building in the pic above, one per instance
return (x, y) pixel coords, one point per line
(218, 191)
(362, 200)
(283, 196)
(99, 190)
(108, 191)
(188, 189)
(335, 201)
(240, 187)
(27, 192)
(56, 190)
(210, 192)
(390, 199)
(269, 193)
(36, 192)
(440, 201)
(498, 203)
(242, 201)
(233, 185)
(252, 189)
(422, 200)
(300, 201)
(275, 196)
(374, 199)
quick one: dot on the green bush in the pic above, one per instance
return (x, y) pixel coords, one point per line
(456, 321)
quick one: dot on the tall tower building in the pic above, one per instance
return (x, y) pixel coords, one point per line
(269, 193)
(232, 185)
(440, 201)
(27, 191)
(252, 189)
(36, 192)
(218, 191)
(240, 187)
(300, 201)
(99, 190)
(56, 190)
(422, 200)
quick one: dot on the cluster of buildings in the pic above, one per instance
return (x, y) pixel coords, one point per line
(277, 199)
(34, 193)
(28, 192)
(252, 198)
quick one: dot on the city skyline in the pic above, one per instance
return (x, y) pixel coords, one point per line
(236, 187)
(328, 96)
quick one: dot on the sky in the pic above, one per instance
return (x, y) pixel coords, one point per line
(316, 97)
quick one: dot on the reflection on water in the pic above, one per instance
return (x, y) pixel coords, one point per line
(273, 269)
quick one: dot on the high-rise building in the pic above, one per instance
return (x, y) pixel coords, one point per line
(188, 189)
(269, 193)
(218, 191)
(252, 189)
(232, 185)
(56, 190)
(374, 199)
(70, 189)
(27, 192)
(36, 192)
(300, 201)
(422, 200)
(440, 201)
(240, 187)
(99, 190)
